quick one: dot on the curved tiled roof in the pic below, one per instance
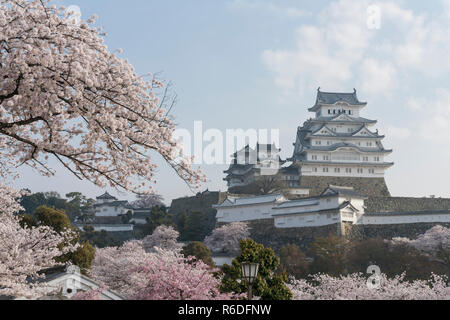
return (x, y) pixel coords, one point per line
(342, 191)
(350, 119)
(106, 196)
(347, 145)
(341, 134)
(335, 97)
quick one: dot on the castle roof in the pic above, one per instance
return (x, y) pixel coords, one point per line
(341, 191)
(335, 97)
(106, 196)
(347, 145)
(343, 118)
(231, 201)
(398, 213)
(346, 135)
(259, 148)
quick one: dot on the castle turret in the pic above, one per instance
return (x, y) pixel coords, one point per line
(248, 164)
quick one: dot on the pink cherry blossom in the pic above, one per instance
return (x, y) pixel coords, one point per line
(64, 95)
(435, 243)
(226, 239)
(163, 237)
(157, 275)
(25, 253)
(354, 287)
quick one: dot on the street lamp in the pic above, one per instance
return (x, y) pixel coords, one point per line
(249, 274)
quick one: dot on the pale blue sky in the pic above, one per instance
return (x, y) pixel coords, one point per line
(257, 64)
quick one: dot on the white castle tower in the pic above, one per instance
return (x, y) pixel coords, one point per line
(338, 142)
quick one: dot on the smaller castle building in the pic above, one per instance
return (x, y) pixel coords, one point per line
(109, 206)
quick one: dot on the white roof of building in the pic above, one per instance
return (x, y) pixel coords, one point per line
(297, 203)
(235, 201)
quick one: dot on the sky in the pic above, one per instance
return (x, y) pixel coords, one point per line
(257, 65)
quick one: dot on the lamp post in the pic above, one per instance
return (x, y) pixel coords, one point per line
(249, 273)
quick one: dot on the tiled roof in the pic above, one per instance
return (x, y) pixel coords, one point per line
(336, 146)
(106, 196)
(345, 135)
(427, 212)
(251, 200)
(348, 119)
(335, 97)
(342, 191)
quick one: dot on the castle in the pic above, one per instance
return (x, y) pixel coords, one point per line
(334, 181)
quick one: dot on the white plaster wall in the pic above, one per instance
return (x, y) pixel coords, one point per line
(355, 110)
(113, 228)
(400, 219)
(306, 220)
(244, 213)
(110, 211)
(307, 170)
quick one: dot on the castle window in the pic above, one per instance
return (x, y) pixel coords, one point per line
(371, 171)
(377, 159)
(360, 170)
(314, 157)
(329, 111)
(337, 170)
(315, 170)
(326, 158)
(366, 159)
(334, 111)
(325, 169)
(348, 170)
(350, 112)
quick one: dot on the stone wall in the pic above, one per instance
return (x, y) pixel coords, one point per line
(198, 203)
(371, 187)
(402, 204)
(410, 230)
(264, 231)
(203, 203)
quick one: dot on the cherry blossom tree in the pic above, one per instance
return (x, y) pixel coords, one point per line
(163, 237)
(148, 201)
(65, 95)
(354, 287)
(157, 275)
(226, 239)
(112, 266)
(435, 243)
(26, 252)
(173, 277)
